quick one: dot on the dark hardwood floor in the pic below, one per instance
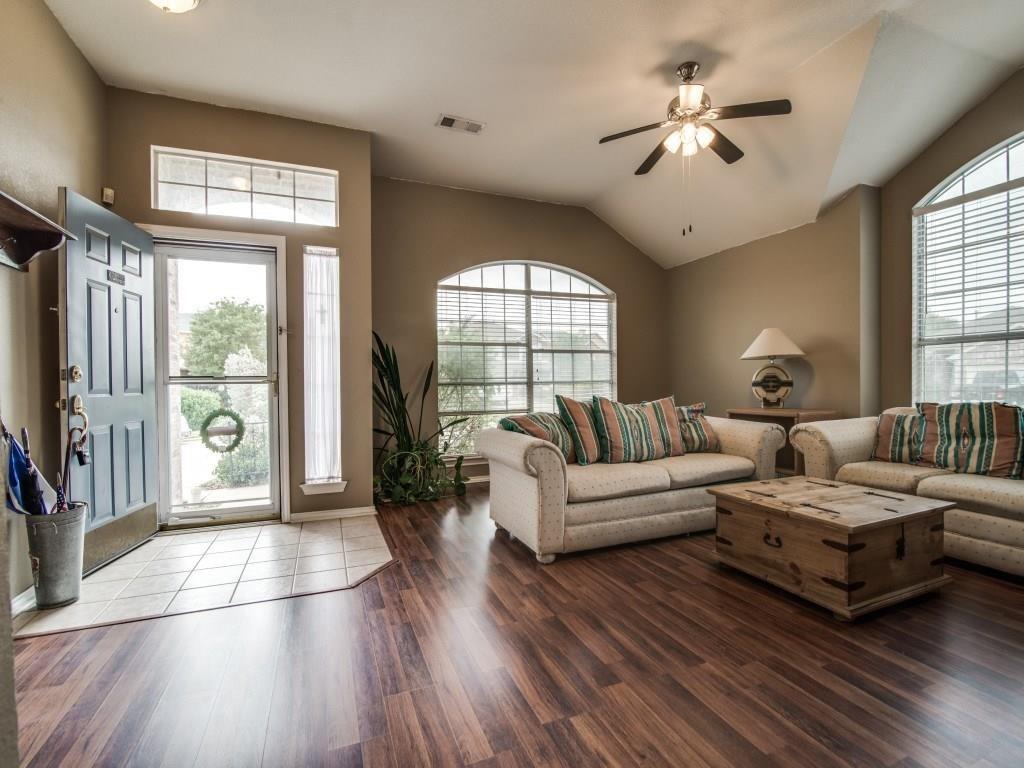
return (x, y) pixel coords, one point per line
(469, 652)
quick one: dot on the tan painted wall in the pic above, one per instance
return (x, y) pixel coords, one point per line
(424, 233)
(805, 281)
(995, 119)
(136, 121)
(50, 135)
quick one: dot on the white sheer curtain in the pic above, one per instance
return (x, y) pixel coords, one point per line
(322, 374)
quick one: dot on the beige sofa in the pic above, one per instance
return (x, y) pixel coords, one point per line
(554, 507)
(987, 525)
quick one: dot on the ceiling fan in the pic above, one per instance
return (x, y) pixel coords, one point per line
(690, 115)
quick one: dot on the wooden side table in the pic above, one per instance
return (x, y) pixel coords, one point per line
(788, 461)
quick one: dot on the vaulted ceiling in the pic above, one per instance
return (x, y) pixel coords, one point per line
(872, 83)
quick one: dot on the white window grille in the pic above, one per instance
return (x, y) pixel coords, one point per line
(512, 335)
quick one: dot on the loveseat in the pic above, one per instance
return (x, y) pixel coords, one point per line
(553, 507)
(987, 525)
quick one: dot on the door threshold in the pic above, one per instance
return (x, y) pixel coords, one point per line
(184, 524)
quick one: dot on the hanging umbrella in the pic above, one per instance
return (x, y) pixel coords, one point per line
(27, 492)
(31, 491)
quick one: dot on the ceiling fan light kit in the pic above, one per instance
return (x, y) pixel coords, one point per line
(176, 6)
(690, 116)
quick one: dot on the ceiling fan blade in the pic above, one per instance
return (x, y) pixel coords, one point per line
(641, 129)
(754, 109)
(724, 148)
(652, 158)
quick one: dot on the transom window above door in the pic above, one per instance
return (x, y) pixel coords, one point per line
(512, 335)
(969, 283)
(224, 185)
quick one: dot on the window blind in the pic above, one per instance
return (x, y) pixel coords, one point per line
(969, 285)
(511, 336)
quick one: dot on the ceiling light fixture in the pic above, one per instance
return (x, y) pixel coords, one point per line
(705, 135)
(672, 142)
(176, 6)
(688, 132)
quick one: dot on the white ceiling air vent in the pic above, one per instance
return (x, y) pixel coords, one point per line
(461, 124)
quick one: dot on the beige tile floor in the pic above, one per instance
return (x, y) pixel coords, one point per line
(194, 571)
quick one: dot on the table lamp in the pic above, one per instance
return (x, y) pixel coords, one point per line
(772, 383)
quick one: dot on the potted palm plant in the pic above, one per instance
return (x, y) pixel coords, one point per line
(410, 466)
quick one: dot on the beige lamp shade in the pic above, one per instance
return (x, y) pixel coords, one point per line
(771, 344)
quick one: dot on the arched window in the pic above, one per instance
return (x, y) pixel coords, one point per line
(512, 335)
(969, 283)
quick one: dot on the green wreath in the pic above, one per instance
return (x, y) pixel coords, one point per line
(204, 430)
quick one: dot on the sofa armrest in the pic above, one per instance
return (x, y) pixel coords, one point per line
(529, 488)
(828, 445)
(514, 450)
(754, 440)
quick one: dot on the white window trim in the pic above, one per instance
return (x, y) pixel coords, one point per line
(242, 239)
(607, 295)
(155, 150)
(918, 298)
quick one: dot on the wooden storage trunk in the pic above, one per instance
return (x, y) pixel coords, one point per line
(848, 548)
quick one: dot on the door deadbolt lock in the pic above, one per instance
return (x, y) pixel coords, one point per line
(75, 374)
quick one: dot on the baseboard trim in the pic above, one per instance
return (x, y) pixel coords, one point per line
(331, 514)
(26, 601)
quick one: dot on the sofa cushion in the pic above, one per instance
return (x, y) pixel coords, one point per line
(698, 434)
(897, 438)
(940, 432)
(981, 438)
(695, 469)
(578, 418)
(613, 481)
(997, 496)
(883, 474)
(990, 442)
(546, 426)
(639, 432)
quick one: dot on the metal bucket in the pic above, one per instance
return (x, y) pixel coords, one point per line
(55, 547)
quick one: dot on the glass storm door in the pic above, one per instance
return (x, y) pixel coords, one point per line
(220, 382)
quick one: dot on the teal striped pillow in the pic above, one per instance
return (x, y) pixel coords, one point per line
(698, 435)
(546, 426)
(624, 432)
(898, 438)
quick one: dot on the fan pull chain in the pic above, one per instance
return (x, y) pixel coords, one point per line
(689, 192)
(687, 202)
(684, 198)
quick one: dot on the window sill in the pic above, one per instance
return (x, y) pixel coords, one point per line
(330, 486)
(468, 460)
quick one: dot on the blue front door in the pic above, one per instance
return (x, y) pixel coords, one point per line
(110, 373)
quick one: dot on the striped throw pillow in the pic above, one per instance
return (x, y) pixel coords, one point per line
(663, 414)
(640, 432)
(897, 438)
(578, 418)
(990, 439)
(939, 434)
(978, 438)
(546, 426)
(1018, 462)
(698, 435)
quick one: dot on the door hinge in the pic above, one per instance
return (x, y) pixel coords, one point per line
(273, 381)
